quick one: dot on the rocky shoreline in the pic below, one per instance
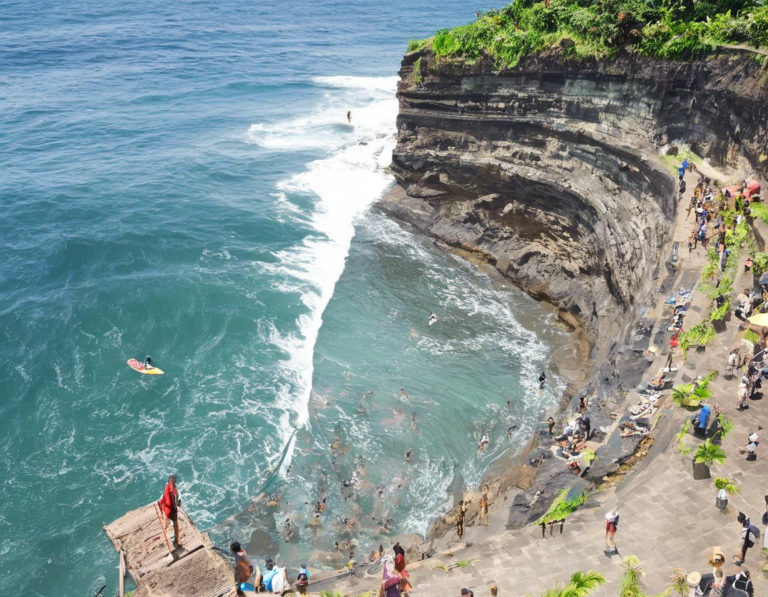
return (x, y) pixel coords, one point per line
(550, 173)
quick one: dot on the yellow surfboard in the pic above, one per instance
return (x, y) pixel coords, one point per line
(136, 366)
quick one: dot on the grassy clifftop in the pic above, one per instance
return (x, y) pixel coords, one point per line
(668, 29)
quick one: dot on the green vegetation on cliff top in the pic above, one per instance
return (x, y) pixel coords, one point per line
(668, 29)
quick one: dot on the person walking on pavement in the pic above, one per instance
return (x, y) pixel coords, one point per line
(611, 525)
(743, 582)
(749, 533)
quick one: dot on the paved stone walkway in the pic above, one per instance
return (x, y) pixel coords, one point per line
(668, 520)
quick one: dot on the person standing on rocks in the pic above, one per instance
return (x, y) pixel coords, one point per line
(551, 425)
(484, 509)
(460, 518)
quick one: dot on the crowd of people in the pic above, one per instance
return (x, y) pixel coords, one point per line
(570, 445)
(275, 579)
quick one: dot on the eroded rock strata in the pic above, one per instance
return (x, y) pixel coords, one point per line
(551, 172)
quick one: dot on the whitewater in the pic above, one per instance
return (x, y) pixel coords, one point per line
(339, 188)
(183, 182)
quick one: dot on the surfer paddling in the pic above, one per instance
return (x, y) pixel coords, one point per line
(432, 318)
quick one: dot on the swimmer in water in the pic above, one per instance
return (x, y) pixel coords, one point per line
(413, 421)
(542, 380)
(432, 318)
(408, 455)
(484, 441)
(510, 430)
(349, 117)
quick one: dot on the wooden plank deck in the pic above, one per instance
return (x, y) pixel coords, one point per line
(195, 570)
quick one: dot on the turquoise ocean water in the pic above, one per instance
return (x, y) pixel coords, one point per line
(179, 180)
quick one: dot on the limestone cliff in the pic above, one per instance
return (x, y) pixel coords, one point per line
(551, 170)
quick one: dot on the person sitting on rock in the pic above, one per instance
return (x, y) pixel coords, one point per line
(658, 382)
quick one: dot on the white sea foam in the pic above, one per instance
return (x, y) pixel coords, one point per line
(326, 126)
(388, 84)
(339, 187)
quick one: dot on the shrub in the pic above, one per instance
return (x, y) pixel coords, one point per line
(668, 30)
(760, 263)
(721, 311)
(726, 426)
(561, 508)
(416, 45)
(699, 335)
(759, 210)
(417, 77)
(739, 235)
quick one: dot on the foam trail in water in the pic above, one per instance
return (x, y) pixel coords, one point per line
(342, 186)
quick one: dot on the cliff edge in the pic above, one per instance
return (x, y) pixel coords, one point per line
(551, 170)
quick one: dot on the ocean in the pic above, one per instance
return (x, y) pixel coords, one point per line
(180, 180)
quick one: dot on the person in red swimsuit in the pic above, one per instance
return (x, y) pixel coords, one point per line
(169, 504)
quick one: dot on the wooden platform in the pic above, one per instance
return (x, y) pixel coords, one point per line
(195, 570)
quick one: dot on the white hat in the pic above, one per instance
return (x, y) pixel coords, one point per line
(753, 437)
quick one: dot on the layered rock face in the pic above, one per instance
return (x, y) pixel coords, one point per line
(551, 170)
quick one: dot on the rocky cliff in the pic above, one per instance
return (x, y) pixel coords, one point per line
(551, 170)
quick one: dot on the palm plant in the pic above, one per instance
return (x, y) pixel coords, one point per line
(702, 392)
(679, 582)
(464, 563)
(442, 566)
(689, 395)
(725, 426)
(709, 454)
(581, 584)
(726, 484)
(683, 432)
(630, 580)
